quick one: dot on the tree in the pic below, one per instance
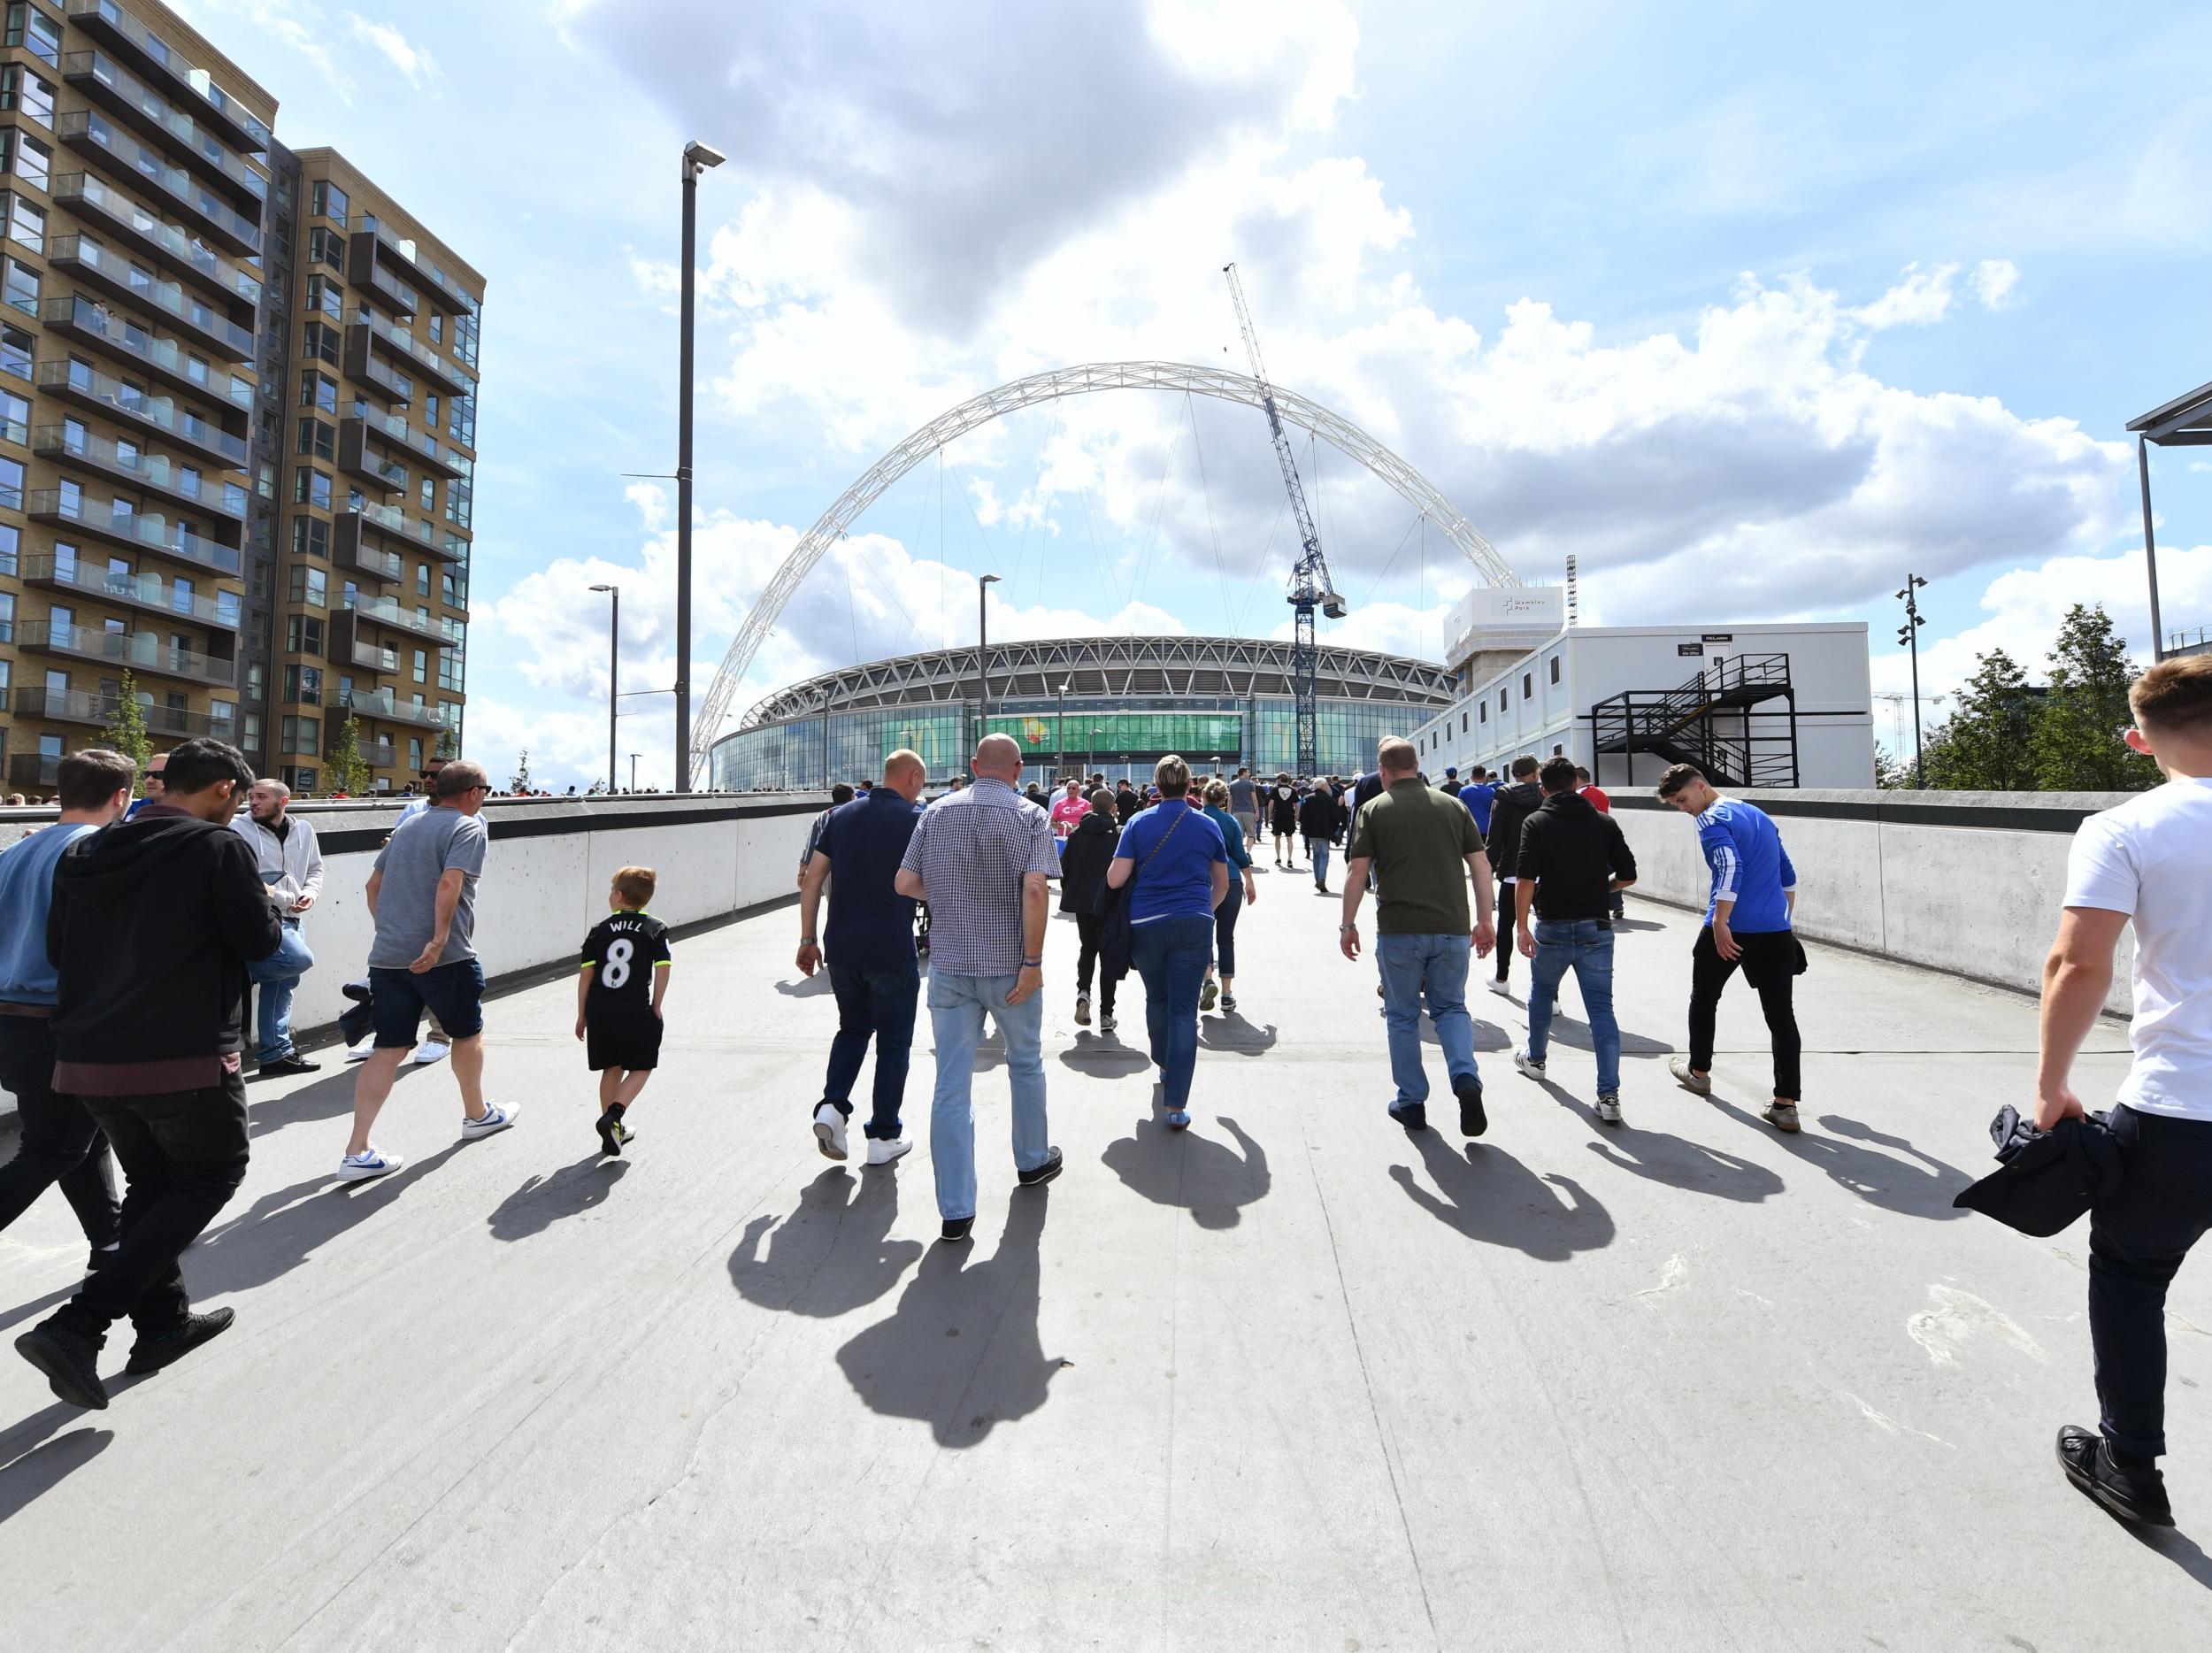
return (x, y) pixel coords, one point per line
(348, 772)
(1986, 744)
(126, 730)
(1888, 772)
(448, 747)
(521, 782)
(2077, 745)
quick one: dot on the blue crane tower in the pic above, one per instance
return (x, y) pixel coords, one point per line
(1311, 587)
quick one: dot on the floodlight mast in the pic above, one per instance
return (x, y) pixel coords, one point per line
(1311, 587)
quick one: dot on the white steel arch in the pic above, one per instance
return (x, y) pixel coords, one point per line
(1064, 382)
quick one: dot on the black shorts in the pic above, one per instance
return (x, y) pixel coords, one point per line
(628, 1039)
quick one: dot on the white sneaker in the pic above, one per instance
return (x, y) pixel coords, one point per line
(1107, 1024)
(1608, 1108)
(882, 1153)
(829, 1131)
(1521, 1063)
(1502, 989)
(430, 1051)
(496, 1119)
(1082, 1009)
(361, 1168)
(363, 1051)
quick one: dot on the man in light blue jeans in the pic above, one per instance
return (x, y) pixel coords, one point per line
(1431, 968)
(1586, 947)
(980, 858)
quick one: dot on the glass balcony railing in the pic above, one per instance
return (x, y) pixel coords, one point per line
(142, 652)
(386, 705)
(80, 190)
(130, 402)
(144, 590)
(120, 521)
(79, 705)
(147, 470)
(438, 366)
(164, 356)
(146, 105)
(384, 611)
(87, 127)
(195, 82)
(164, 296)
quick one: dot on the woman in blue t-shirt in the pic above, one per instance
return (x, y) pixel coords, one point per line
(1181, 870)
(1242, 889)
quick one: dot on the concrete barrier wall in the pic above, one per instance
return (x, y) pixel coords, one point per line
(1965, 882)
(546, 877)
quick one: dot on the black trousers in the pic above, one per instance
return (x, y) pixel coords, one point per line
(1769, 963)
(2137, 1240)
(185, 1155)
(1506, 921)
(1090, 927)
(59, 1143)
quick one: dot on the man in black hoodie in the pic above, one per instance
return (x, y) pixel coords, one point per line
(1512, 806)
(154, 922)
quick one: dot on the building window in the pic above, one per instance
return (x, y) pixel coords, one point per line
(327, 200)
(422, 579)
(303, 634)
(1555, 668)
(459, 497)
(422, 666)
(7, 617)
(310, 537)
(320, 342)
(429, 496)
(11, 539)
(322, 294)
(1528, 686)
(26, 157)
(11, 484)
(1558, 751)
(303, 685)
(21, 288)
(27, 221)
(319, 391)
(30, 28)
(414, 754)
(1462, 723)
(15, 351)
(327, 246)
(21, 89)
(310, 586)
(1503, 704)
(318, 439)
(310, 486)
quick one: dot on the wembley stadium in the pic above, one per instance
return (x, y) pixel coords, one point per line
(1110, 705)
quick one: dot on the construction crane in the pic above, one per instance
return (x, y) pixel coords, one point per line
(1311, 587)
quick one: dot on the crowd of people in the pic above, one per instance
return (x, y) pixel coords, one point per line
(134, 931)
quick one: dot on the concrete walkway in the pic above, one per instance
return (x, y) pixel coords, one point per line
(1293, 1379)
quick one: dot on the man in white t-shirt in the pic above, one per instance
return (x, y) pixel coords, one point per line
(2144, 863)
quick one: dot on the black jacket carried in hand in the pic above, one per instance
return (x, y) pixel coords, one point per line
(1083, 859)
(1574, 853)
(1320, 816)
(2047, 1178)
(1512, 806)
(153, 922)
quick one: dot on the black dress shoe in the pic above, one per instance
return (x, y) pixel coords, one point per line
(1472, 1121)
(71, 1362)
(151, 1354)
(1413, 1115)
(956, 1229)
(285, 1067)
(2133, 1495)
(1042, 1174)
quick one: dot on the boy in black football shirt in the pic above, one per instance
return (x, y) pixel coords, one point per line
(618, 1000)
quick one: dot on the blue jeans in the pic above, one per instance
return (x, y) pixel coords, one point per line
(1171, 955)
(1318, 850)
(1577, 944)
(278, 976)
(956, 1006)
(878, 1003)
(1434, 967)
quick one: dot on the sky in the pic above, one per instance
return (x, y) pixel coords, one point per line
(1753, 309)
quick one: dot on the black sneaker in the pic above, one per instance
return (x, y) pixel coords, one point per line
(285, 1067)
(1042, 1174)
(1413, 1115)
(1472, 1121)
(151, 1354)
(610, 1137)
(956, 1229)
(2133, 1495)
(71, 1362)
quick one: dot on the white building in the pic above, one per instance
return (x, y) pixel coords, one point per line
(1754, 705)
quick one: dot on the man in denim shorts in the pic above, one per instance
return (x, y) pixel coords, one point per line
(423, 897)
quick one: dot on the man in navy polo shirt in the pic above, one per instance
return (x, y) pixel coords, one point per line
(874, 972)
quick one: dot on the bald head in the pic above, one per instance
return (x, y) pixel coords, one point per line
(998, 757)
(905, 774)
(1396, 757)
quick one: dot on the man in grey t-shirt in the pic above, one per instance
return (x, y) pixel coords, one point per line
(1244, 804)
(423, 897)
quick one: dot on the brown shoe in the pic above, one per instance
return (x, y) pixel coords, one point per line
(1687, 1077)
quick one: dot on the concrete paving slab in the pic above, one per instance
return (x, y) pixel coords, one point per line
(1293, 1379)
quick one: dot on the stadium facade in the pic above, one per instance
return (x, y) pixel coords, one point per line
(1114, 704)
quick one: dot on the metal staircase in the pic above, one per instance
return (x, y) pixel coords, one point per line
(1723, 720)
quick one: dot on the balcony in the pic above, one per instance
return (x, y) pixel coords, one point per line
(108, 209)
(403, 349)
(349, 550)
(78, 705)
(100, 141)
(147, 592)
(103, 80)
(421, 446)
(385, 612)
(224, 115)
(385, 705)
(356, 458)
(134, 529)
(376, 753)
(92, 321)
(150, 472)
(372, 272)
(144, 653)
(34, 772)
(347, 647)
(112, 272)
(54, 705)
(395, 523)
(75, 382)
(396, 389)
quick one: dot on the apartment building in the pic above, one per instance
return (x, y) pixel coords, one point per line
(237, 416)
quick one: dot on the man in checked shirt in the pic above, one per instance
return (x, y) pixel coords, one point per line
(980, 858)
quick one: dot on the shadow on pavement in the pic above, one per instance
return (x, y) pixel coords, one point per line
(1675, 1161)
(1895, 1185)
(279, 1231)
(2169, 1542)
(1182, 1168)
(1230, 1032)
(962, 1351)
(540, 1201)
(834, 1254)
(1491, 1197)
(1104, 1053)
(1576, 1035)
(326, 1098)
(813, 986)
(42, 1468)
(24, 1311)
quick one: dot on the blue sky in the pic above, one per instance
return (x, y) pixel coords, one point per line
(1750, 307)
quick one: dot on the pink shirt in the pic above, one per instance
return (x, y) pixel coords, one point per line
(1065, 812)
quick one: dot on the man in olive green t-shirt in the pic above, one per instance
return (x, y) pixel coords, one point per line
(1423, 846)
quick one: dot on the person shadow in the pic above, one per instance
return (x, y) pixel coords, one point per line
(812, 987)
(45, 1467)
(1183, 1168)
(1675, 1161)
(2170, 1542)
(1923, 1189)
(1489, 1195)
(280, 1230)
(1102, 1053)
(1577, 1035)
(325, 1098)
(834, 1254)
(1230, 1032)
(540, 1201)
(962, 1352)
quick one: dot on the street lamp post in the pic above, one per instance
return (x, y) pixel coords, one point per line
(697, 158)
(983, 655)
(1060, 734)
(1909, 634)
(614, 668)
(632, 772)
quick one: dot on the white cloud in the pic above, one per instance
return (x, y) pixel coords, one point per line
(1995, 282)
(298, 24)
(1920, 299)
(412, 61)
